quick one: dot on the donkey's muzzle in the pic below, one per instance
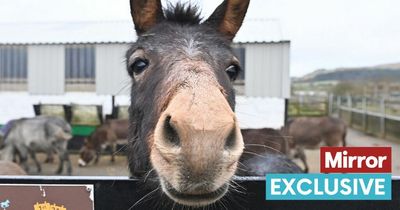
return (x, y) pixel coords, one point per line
(197, 144)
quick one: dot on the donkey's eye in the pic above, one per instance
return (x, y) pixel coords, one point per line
(138, 66)
(233, 71)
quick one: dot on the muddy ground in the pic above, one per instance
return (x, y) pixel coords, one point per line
(103, 168)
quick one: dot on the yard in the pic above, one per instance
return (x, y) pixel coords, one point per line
(120, 167)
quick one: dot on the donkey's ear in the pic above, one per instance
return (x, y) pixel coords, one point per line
(146, 14)
(228, 17)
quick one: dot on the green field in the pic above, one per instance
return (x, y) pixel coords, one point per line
(297, 109)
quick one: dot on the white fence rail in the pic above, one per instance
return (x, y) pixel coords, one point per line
(379, 117)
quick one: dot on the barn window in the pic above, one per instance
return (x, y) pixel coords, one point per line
(13, 64)
(80, 64)
(240, 53)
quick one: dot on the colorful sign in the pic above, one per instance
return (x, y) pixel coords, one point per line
(46, 197)
(47, 206)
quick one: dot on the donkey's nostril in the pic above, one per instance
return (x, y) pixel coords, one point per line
(231, 139)
(171, 135)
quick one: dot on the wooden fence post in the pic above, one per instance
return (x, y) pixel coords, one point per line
(349, 105)
(286, 111)
(330, 105)
(338, 105)
(364, 116)
(349, 101)
(296, 105)
(383, 117)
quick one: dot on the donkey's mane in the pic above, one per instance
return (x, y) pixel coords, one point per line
(184, 14)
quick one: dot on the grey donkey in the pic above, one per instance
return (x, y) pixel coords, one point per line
(39, 134)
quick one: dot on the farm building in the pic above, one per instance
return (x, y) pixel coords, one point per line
(84, 62)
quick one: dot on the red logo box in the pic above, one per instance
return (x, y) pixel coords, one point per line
(356, 159)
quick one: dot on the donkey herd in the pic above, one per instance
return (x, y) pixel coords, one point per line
(182, 137)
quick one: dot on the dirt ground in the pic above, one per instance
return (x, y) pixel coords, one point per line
(356, 138)
(103, 168)
(120, 168)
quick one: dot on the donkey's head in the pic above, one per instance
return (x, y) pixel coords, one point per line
(94, 143)
(87, 153)
(182, 108)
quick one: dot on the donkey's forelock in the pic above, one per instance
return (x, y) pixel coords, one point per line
(183, 14)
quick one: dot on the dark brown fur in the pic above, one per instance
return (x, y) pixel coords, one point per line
(183, 131)
(105, 135)
(264, 140)
(267, 163)
(313, 132)
(150, 97)
(184, 136)
(266, 151)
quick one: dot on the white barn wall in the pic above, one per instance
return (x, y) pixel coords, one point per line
(267, 70)
(46, 69)
(111, 75)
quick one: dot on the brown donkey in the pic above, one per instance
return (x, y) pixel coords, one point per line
(266, 151)
(183, 129)
(313, 132)
(106, 135)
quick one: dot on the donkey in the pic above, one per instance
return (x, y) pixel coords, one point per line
(312, 132)
(3, 134)
(39, 134)
(267, 163)
(264, 140)
(183, 129)
(4, 131)
(266, 151)
(105, 135)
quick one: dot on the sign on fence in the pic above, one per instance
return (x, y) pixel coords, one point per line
(46, 197)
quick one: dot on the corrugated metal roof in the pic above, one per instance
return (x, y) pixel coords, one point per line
(253, 30)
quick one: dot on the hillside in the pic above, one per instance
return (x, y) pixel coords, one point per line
(387, 72)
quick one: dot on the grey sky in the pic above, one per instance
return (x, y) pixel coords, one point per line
(324, 33)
